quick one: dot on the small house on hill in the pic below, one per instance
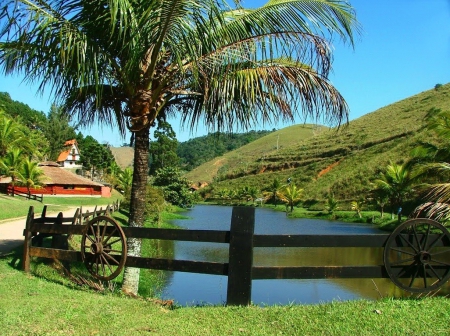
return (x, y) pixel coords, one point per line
(70, 156)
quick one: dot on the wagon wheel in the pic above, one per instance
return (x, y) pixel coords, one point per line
(104, 248)
(417, 255)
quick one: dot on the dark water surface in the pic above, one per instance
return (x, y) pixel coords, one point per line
(192, 289)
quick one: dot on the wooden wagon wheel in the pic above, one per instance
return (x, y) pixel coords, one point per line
(417, 255)
(104, 248)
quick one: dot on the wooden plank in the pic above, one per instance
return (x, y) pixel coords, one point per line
(181, 235)
(318, 272)
(371, 240)
(28, 233)
(43, 252)
(178, 265)
(140, 262)
(53, 229)
(239, 291)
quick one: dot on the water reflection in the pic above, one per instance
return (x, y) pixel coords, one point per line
(189, 288)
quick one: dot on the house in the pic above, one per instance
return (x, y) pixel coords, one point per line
(70, 156)
(62, 182)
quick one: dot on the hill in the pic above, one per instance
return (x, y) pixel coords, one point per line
(239, 161)
(341, 161)
(123, 155)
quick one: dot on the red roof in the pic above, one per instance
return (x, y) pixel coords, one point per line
(63, 156)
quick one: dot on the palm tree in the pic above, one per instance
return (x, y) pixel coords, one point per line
(10, 165)
(125, 181)
(331, 204)
(31, 175)
(273, 191)
(11, 136)
(291, 195)
(357, 206)
(396, 182)
(132, 62)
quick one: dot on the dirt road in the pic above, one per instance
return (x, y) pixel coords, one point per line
(11, 231)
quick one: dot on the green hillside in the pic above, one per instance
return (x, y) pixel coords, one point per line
(240, 160)
(324, 160)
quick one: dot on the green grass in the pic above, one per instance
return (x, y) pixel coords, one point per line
(13, 207)
(32, 305)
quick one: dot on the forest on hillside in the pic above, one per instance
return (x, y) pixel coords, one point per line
(194, 152)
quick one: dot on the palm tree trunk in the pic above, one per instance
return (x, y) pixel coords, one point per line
(137, 207)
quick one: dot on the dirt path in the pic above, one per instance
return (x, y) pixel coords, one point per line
(11, 231)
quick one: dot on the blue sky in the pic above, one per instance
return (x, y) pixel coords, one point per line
(404, 49)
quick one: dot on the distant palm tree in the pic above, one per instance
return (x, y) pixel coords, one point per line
(11, 164)
(273, 191)
(331, 204)
(357, 206)
(396, 182)
(31, 175)
(291, 195)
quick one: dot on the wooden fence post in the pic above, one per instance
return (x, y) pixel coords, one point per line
(27, 241)
(239, 291)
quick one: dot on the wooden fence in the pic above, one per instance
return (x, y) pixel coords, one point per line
(242, 240)
(23, 192)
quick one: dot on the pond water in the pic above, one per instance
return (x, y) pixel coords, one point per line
(194, 289)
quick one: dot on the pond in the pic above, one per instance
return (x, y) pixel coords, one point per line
(195, 289)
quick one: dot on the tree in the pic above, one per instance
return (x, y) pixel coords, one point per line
(273, 191)
(31, 175)
(175, 187)
(125, 182)
(10, 164)
(357, 206)
(94, 156)
(131, 63)
(291, 195)
(396, 182)
(12, 136)
(163, 151)
(58, 131)
(331, 204)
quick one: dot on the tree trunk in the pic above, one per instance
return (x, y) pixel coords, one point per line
(137, 207)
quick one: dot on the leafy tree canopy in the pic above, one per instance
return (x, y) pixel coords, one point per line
(197, 151)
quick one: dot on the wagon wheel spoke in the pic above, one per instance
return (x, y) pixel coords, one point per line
(402, 251)
(106, 243)
(101, 234)
(109, 236)
(425, 284)
(414, 277)
(398, 262)
(435, 273)
(408, 242)
(411, 242)
(441, 252)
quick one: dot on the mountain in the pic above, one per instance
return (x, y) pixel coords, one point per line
(320, 160)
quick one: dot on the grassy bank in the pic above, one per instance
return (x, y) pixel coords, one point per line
(34, 305)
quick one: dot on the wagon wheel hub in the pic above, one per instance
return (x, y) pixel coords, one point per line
(97, 248)
(424, 257)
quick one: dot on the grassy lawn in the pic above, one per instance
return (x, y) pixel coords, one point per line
(12, 207)
(32, 305)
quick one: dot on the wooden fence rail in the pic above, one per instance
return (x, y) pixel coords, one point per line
(16, 191)
(241, 239)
